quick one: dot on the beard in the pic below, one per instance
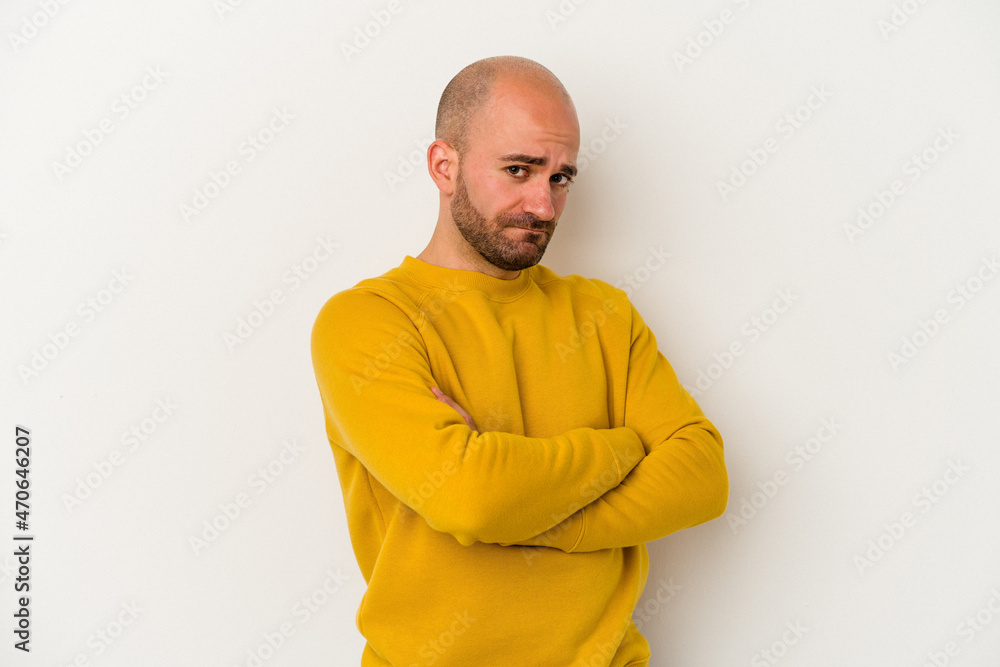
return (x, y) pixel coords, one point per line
(491, 240)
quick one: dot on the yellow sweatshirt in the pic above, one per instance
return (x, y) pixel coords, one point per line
(521, 543)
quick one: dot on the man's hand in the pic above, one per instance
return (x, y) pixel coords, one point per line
(447, 399)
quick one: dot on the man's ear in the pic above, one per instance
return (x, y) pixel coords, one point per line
(442, 164)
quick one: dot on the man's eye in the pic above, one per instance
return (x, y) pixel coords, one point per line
(566, 180)
(514, 167)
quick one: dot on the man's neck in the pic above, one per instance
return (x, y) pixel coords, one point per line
(472, 261)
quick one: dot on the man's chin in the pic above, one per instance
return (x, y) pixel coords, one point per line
(526, 259)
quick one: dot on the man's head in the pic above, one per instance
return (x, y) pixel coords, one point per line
(507, 138)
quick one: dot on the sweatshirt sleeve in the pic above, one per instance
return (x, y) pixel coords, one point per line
(681, 482)
(374, 379)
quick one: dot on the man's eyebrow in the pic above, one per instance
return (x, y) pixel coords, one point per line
(524, 158)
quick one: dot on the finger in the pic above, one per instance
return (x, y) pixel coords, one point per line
(444, 398)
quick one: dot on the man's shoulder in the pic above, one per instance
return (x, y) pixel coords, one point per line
(595, 286)
(377, 297)
(613, 299)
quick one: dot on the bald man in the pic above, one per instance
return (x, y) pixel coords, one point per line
(506, 439)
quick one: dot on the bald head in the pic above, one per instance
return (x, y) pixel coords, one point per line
(472, 89)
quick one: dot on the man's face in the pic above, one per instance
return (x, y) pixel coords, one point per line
(515, 174)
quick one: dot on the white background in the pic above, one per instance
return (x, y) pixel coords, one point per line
(691, 97)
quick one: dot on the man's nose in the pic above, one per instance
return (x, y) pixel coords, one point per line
(538, 200)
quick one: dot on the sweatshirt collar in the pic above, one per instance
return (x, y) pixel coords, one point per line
(459, 280)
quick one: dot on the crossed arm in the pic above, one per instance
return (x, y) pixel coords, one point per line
(582, 490)
(679, 483)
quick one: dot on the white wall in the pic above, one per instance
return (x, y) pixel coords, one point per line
(841, 546)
